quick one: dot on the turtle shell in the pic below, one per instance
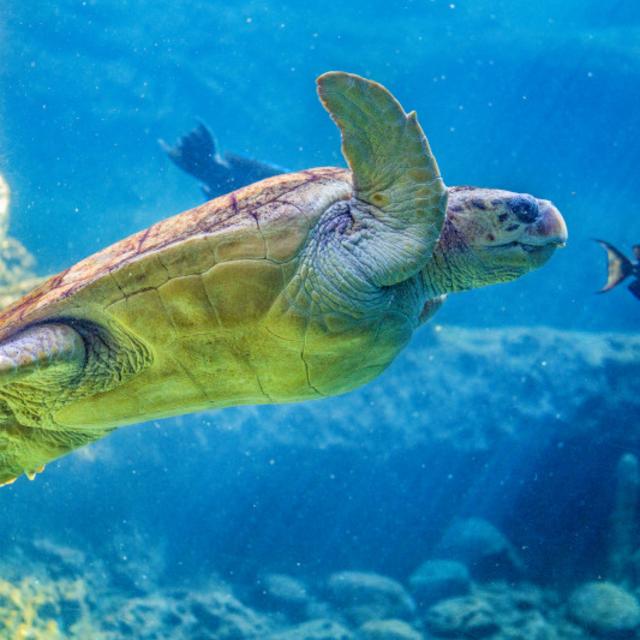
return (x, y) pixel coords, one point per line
(266, 223)
(195, 289)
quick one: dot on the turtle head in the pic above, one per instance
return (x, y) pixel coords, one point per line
(491, 236)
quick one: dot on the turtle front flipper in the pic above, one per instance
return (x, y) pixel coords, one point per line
(398, 192)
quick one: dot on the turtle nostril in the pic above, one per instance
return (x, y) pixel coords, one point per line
(525, 209)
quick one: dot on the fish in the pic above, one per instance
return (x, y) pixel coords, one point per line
(196, 153)
(619, 268)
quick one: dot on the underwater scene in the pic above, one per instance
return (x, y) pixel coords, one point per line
(382, 378)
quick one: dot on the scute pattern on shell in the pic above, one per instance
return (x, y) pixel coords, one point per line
(260, 205)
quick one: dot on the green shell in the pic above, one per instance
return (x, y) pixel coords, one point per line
(203, 310)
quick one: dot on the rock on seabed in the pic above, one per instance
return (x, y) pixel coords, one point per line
(482, 547)
(436, 580)
(388, 630)
(363, 596)
(606, 610)
(314, 630)
(468, 616)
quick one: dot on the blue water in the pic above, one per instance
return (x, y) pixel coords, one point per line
(537, 97)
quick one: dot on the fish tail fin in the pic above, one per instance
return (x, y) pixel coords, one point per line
(619, 266)
(196, 154)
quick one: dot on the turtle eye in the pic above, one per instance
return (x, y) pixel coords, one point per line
(525, 209)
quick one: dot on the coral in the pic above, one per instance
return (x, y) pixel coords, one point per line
(36, 609)
(210, 613)
(16, 263)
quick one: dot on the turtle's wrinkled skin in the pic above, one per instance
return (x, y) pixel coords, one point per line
(301, 286)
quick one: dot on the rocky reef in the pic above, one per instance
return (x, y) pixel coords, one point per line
(40, 602)
(16, 262)
(448, 389)
(473, 585)
(68, 593)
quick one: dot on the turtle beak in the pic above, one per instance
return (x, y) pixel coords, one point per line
(548, 229)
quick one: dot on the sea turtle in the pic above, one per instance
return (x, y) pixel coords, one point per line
(300, 286)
